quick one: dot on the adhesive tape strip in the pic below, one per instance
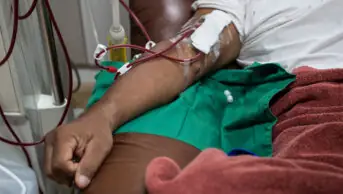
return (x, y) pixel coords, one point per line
(124, 69)
(208, 33)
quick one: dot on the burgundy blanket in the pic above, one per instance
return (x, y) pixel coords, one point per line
(308, 149)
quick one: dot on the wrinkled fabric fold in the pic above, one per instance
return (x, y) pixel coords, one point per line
(307, 153)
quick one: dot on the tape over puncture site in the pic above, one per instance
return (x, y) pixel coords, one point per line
(208, 33)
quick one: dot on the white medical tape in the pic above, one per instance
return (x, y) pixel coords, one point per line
(124, 69)
(100, 49)
(208, 33)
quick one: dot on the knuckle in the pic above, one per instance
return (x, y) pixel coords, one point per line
(60, 135)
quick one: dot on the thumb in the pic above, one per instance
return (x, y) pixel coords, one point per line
(91, 161)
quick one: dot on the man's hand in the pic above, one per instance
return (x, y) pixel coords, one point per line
(89, 139)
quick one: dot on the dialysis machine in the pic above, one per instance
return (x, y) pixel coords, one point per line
(32, 96)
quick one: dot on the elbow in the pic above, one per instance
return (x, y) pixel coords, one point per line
(230, 46)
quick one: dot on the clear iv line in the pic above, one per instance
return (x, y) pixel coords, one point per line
(14, 177)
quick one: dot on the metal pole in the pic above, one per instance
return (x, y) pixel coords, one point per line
(50, 53)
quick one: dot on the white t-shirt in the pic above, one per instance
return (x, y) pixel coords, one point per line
(293, 33)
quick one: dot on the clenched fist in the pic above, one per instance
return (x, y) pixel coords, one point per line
(89, 139)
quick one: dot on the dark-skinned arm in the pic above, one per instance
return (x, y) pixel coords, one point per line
(157, 82)
(144, 87)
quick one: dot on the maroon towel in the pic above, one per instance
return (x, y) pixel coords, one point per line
(308, 149)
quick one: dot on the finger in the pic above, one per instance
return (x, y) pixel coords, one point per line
(48, 151)
(91, 161)
(63, 166)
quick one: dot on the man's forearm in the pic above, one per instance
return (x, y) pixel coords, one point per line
(155, 83)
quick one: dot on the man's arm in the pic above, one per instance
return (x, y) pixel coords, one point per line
(158, 81)
(149, 85)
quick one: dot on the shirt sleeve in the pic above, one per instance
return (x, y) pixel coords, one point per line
(236, 9)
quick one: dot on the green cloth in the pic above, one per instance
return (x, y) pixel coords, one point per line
(202, 116)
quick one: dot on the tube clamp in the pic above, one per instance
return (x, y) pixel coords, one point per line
(100, 52)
